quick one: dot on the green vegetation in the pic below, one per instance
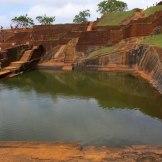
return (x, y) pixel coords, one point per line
(108, 6)
(82, 16)
(23, 21)
(101, 51)
(153, 40)
(114, 18)
(45, 20)
(152, 10)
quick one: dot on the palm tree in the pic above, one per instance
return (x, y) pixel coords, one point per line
(45, 20)
(23, 21)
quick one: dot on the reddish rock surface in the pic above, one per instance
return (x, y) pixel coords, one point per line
(60, 152)
(70, 43)
(129, 55)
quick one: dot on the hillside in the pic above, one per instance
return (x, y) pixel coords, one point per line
(151, 10)
(113, 19)
(100, 52)
(153, 40)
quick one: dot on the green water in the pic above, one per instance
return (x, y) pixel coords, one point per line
(112, 109)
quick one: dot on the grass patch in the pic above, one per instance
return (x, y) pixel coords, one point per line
(101, 51)
(152, 10)
(114, 18)
(153, 40)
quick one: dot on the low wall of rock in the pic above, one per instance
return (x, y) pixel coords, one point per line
(148, 61)
(99, 36)
(43, 33)
(144, 60)
(11, 54)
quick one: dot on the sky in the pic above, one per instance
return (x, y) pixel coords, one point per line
(63, 10)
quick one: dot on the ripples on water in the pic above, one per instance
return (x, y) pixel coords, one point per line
(91, 108)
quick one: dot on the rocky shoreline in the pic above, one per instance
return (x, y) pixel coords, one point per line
(46, 151)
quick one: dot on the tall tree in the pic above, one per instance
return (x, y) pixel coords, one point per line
(45, 20)
(107, 6)
(82, 16)
(23, 21)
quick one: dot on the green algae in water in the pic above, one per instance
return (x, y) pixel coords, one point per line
(112, 109)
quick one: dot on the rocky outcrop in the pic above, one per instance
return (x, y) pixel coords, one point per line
(90, 26)
(89, 34)
(12, 54)
(28, 59)
(138, 13)
(60, 57)
(70, 51)
(132, 56)
(148, 65)
(64, 43)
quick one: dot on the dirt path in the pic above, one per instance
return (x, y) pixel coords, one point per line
(56, 152)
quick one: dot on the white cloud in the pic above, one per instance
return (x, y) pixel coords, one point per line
(63, 14)
(4, 20)
(64, 10)
(140, 3)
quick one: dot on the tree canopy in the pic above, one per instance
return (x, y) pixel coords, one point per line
(107, 6)
(23, 21)
(82, 16)
(45, 20)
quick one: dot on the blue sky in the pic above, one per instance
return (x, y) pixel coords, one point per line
(64, 10)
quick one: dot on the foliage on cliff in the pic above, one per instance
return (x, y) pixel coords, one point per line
(114, 18)
(101, 51)
(153, 40)
(151, 10)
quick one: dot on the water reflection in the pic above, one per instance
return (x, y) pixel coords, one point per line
(91, 108)
(111, 90)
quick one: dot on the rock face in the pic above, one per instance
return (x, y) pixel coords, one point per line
(12, 54)
(67, 44)
(138, 13)
(148, 64)
(132, 56)
(26, 59)
(89, 35)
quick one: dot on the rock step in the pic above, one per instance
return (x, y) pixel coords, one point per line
(89, 28)
(111, 65)
(4, 73)
(67, 68)
(25, 57)
(11, 68)
(17, 64)
(59, 52)
(114, 69)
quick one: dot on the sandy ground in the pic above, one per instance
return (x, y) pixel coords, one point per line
(60, 152)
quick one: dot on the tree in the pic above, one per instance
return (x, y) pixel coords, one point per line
(107, 6)
(45, 20)
(23, 21)
(82, 16)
